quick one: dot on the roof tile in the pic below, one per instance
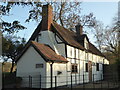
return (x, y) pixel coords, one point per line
(48, 52)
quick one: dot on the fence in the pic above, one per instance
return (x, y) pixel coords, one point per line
(38, 81)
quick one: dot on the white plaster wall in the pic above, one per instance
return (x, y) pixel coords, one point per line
(80, 61)
(106, 61)
(98, 75)
(48, 37)
(86, 43)
(61, 78)
(84, 58)
(27, 66)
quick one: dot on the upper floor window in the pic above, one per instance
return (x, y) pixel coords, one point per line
(39, 65)
(74, 68)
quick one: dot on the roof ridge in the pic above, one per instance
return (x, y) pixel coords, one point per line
(64, 27)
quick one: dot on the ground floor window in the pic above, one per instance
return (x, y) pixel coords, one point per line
(97, 67)
(86, 67)
(74, 68)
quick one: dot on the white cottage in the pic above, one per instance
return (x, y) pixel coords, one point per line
(56, 51)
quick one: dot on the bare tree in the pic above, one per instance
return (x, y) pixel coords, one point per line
(107, 38)
(68, 14)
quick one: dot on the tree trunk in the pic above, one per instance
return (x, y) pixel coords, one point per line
(11, 70)
(60, 14)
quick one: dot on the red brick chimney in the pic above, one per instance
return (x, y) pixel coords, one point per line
(79, 29)
(47, 17)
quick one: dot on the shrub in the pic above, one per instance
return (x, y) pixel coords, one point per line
(10, 78)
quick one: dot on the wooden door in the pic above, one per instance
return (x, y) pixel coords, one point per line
(90, 71)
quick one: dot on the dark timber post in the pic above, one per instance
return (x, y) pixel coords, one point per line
(93, 81)
(51, 70)
(101, 81)
(29, 81)
(40, 81)
(3, 83)
(55, 82)
(71, 81)
(3, 76)
(83, 82)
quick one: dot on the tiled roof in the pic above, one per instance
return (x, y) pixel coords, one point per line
(69, 37)
(94, 50)
(45, 51)
(48, 52)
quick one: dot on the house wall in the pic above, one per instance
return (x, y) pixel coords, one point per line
(81, 59)
(77, 56)
(73, 55)
(61, 78)
(27, 66)
(50, 38)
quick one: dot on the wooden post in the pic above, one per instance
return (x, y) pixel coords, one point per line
(1, 84)
(101, 81)
(93, 82)
(40, 81)
(55, 82)
(51, 70)
(29, 81)
(71, 81)
(83, 81)
(1, 69)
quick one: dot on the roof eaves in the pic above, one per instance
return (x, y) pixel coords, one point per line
(22, 52)
(36, 32)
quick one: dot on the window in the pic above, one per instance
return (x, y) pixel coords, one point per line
(39, 65)
(97, 66)
(74, 68)
(86, 67)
